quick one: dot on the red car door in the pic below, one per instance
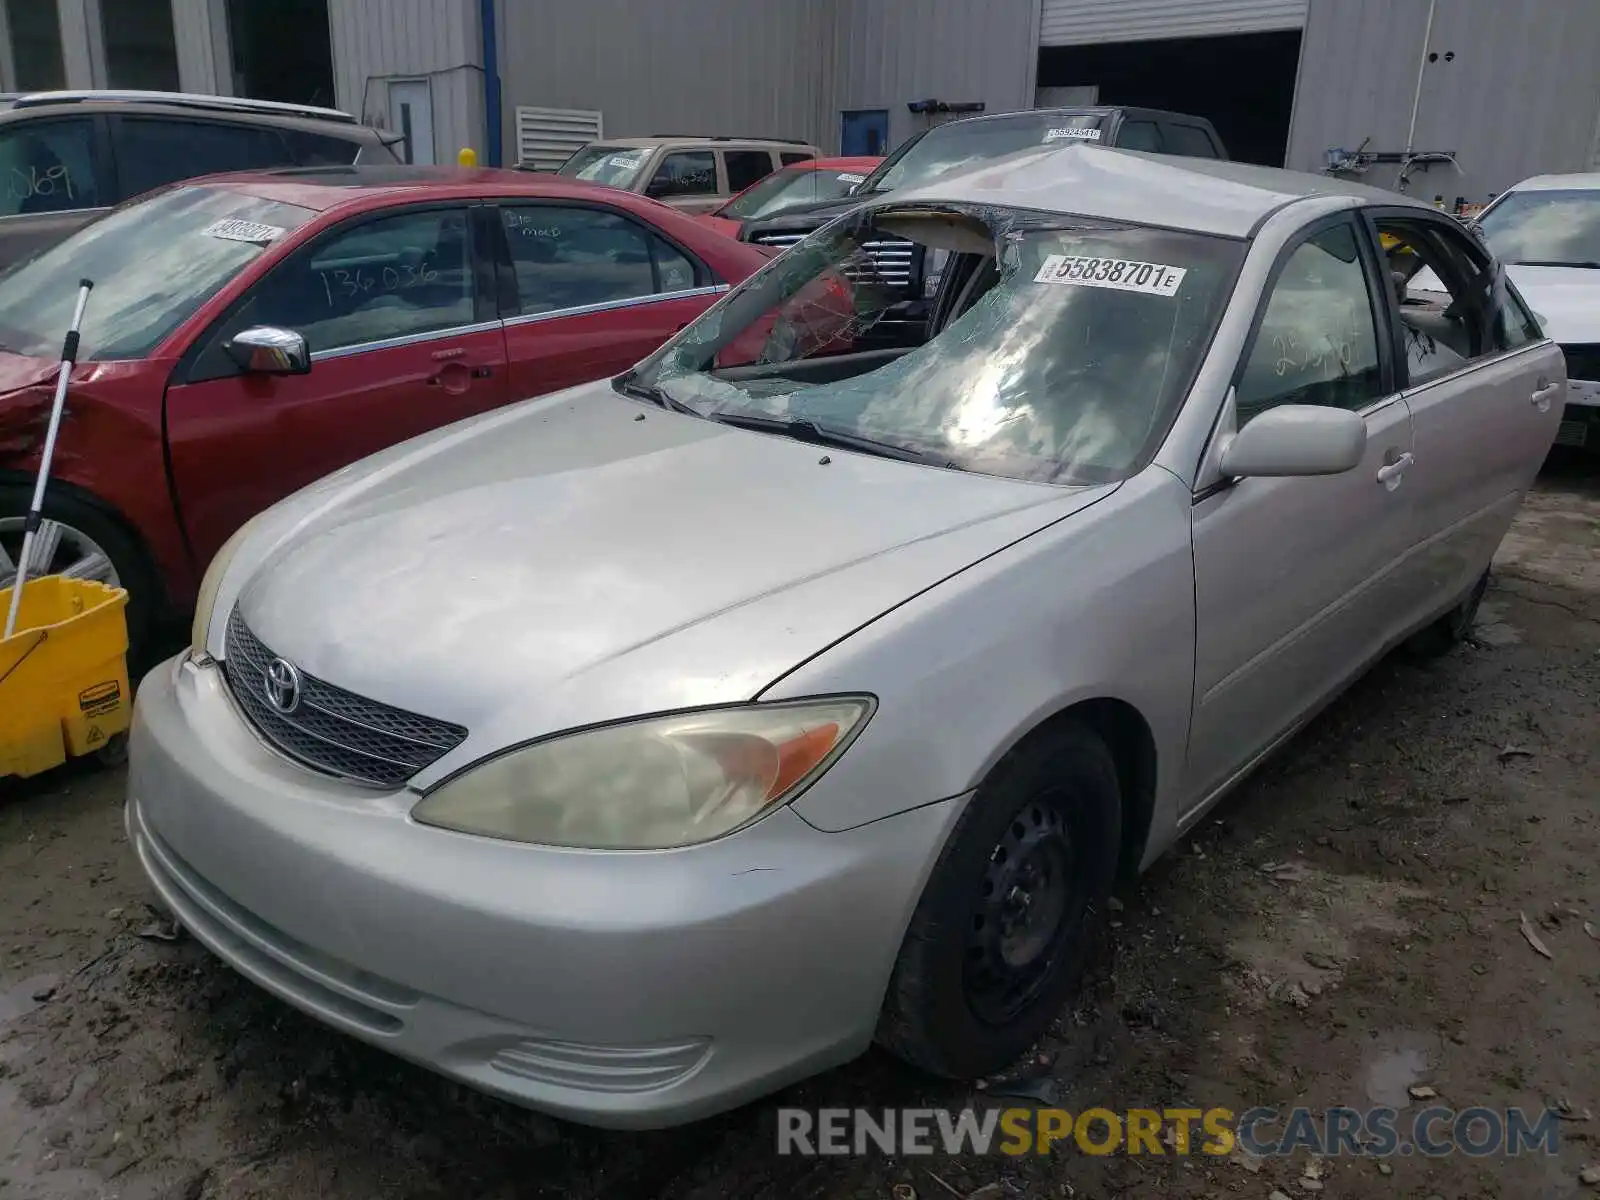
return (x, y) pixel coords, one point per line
(591, 292)
(404, 337)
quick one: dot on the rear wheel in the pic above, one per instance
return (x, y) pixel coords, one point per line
(997, 940)
(76, 540)
(1450, 630)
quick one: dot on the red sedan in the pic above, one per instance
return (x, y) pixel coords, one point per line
(249, 334)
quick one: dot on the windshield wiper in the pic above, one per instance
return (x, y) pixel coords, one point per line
(809, 431)
(1582, 264)
(629, 385)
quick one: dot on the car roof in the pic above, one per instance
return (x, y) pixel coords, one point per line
(1576, 181)
(1072, 110)
(340, 126)
(1200, 194)
(322, 189)
(668, 139)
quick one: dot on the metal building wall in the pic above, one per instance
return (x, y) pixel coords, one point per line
(1076, 22)
(887, 53)
(728, 67)
(1519, 97)
(375, 41)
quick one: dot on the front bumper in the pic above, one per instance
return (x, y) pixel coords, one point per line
(1580, 422)
(630, 990)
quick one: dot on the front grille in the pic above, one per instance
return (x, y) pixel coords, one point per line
(1583, 362)
(893, 259)
(331, 729)
(1573, 433)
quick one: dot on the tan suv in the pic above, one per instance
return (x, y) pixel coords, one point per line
(66, 157)
(696, 174)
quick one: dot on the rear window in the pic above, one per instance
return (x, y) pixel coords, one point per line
(153, 264)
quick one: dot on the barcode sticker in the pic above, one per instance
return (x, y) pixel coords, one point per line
(1087, 133)
(1122, 274)
(847, 178)
(234, 230)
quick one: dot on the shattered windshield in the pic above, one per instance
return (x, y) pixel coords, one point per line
(947, 148)
(1061, 346)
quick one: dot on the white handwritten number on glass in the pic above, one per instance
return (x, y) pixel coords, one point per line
(359, 281)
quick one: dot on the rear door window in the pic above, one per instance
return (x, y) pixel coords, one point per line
(567, 258)
(155, 151)
(49, 166)
(1191, 141)
(745, 167)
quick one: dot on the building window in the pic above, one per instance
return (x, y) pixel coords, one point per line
(36, 44)
(141, 51)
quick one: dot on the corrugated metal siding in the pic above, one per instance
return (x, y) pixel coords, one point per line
(729, 67)
(1075, 22)
(889, 54)
(199, 47)
(412, 39)
(1520, 97)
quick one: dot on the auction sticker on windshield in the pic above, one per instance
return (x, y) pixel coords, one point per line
(235, 230)
(1088, 133)
(845, 177)
(1125, 275)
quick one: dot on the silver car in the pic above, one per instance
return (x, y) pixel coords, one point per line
(637, 750)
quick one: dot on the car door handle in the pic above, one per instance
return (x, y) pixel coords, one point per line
(1544, 394)
(1390, 473)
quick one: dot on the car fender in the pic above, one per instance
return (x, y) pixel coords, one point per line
(1099, 605)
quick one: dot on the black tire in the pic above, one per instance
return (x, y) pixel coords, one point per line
(127, 557)
(972, 989)
(1450, 630)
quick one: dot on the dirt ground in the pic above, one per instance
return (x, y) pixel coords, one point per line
(1418, 818)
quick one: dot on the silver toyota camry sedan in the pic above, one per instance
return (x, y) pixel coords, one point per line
(634, 751)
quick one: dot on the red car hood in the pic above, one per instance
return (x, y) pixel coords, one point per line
(19, 371)
(720, 225)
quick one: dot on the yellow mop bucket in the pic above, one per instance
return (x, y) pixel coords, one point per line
(63, 673)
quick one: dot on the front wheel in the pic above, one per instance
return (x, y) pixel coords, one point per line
(997, 940)
(77, 540)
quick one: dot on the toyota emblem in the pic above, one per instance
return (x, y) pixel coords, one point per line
(282, 686)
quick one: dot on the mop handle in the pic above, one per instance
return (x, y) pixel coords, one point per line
(69, 359)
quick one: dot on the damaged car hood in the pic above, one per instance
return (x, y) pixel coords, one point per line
(586, 557)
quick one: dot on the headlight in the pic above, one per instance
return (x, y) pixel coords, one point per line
(653, 783)
(209, 586)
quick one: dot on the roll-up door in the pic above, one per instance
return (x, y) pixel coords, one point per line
(1076, 22)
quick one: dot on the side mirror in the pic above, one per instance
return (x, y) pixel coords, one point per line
(1297, 439)
(269, 350)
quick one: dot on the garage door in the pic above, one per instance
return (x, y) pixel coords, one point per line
(1076, 22)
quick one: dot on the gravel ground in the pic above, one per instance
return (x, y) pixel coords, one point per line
(1419, 817)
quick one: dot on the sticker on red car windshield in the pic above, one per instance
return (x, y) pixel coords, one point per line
(847, 178)
(1123, 274)
(234, 230)
(1087, 133)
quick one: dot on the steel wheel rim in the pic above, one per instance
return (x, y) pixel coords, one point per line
(58, 549)
(1028, 896)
